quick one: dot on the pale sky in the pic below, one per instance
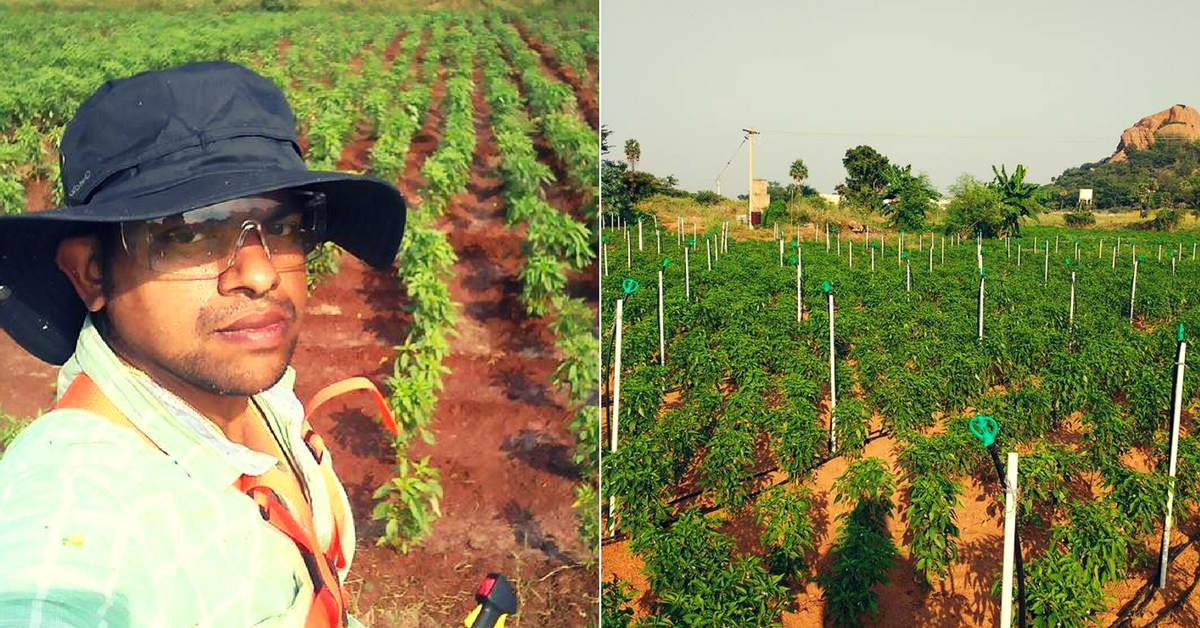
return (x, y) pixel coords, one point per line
(949, 86)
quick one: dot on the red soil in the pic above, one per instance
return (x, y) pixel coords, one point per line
(503, 449)
(964, 598)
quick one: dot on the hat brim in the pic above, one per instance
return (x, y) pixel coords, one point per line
(39, 307)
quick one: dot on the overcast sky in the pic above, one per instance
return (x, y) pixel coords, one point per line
(949, 86)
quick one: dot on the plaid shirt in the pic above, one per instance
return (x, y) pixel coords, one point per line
(98, 528)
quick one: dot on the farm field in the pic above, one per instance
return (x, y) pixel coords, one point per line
(731, 508)
(483, 335)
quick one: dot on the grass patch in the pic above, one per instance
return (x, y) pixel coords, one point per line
(10, 426)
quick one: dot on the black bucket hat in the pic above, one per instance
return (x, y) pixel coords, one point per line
(164, 142)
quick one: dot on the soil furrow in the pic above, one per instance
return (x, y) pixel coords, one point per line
(585, 92)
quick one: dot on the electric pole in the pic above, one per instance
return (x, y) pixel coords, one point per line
(750, 133)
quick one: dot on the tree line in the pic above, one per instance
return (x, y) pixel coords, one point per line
(1164, 176)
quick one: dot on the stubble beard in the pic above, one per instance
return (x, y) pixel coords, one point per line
(214, 373)
(204, 371)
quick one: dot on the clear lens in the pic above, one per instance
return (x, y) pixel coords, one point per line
(203, 243)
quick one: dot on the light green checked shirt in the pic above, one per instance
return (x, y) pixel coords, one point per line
(98, 528)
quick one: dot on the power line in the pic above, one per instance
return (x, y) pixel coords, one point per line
(735, 152)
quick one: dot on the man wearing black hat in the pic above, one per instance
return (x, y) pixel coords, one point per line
(177, 482)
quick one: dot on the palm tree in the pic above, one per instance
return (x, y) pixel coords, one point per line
(633, 152)
(798, 172)
(1018, 197)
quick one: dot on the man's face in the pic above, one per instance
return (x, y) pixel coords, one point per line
(234, 333)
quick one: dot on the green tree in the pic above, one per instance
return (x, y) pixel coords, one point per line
(908, 198)
(866, 180)
(798, 172)
(1019, 198)
(633, 153)
(975, 207)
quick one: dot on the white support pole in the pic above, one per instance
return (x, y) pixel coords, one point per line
(943, 250)
(832, 381)
(931, 247)
(662, 348)
(1018, 254)
(1176, 406)
(872, 259)
(781, 252)
(615, 416)
(799, 290)
(658, 240)
(907, 275)
(639, 235)
(605, 259)
(1133, 289)
(981, 278)
(1114, 257)
(1010, 543)
(687, 274)
(1071, 315)
(850, 241)
(1046, 270)
(628, 250)
(708, 251)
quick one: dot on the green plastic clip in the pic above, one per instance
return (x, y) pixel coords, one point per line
(985, 429)
(825, 286)
(1141, 258)
(793, 260)
(1068, 261)
(1179, 334)
(664, 262)
(692, 241)
(630, 285)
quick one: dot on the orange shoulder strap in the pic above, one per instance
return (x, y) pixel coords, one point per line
(350, 385)
(84, 394)
(328, 608)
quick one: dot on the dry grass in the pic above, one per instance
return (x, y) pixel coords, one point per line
(701, 219)
(1120, 220)
(706, 218)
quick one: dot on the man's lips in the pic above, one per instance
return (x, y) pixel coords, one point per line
(256, 321)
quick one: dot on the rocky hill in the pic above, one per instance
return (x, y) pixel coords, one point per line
(1179, 123)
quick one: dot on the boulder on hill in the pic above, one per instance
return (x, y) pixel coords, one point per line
(1179, 123)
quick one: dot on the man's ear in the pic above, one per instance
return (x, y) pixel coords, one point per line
(79, 258)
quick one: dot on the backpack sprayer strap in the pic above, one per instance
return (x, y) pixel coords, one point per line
(328, 607)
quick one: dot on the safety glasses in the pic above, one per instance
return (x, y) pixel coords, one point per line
(203, 243)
